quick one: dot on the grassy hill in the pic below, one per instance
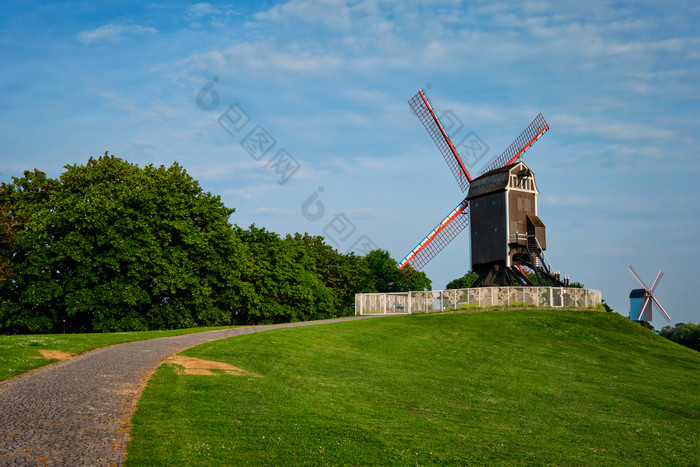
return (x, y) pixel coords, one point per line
(504, 387)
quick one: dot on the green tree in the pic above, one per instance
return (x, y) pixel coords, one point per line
(283, 279)
(114, 247)
(463, 282)
(384, 276)
(342, 274)
(10, 226)
(687, 334)
(24, 296)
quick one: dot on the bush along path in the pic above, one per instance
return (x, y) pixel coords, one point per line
(78, 412)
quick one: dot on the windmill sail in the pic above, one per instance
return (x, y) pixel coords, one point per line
(522, 143)
(424, 111)
(639, 279)
(668, 318)
(438, 238)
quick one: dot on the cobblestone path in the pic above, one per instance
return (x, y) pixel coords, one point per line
(78, 412)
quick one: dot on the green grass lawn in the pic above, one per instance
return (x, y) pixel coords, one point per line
(19, 354)
(498, 387)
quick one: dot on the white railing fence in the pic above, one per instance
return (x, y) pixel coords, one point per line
(456, 299)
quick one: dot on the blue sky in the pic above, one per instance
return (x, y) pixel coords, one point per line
(319, 89)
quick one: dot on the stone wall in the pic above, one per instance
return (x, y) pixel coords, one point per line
(446, 300)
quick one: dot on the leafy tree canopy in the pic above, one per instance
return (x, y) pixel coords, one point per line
(463, 282)
(342, 273)
(384, 276)
(284, 283)
(10, 227)
(687, 334)
(110, 246)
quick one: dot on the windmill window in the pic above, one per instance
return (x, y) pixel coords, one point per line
(522, 182)
(523, 204)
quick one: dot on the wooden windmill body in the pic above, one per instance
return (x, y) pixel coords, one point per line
(506, 233)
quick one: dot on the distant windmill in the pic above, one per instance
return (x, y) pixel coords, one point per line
(641, 300)
(501, 206)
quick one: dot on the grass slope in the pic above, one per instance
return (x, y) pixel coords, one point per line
(504, 387)
(19, 354)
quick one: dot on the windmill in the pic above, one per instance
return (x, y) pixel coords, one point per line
(641, 300)
(497, 256)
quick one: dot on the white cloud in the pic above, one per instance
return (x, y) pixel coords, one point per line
(637, 152)
(381, 167)
(203, 9)
(250, 192)
(276, 211)
(608, 129)
(368, 38)
(216, 15)
(258, 57)
(250, 169)
(140, 107)
(334, 14)
(113, 33)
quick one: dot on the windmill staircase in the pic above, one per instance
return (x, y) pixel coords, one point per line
(537, 261)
